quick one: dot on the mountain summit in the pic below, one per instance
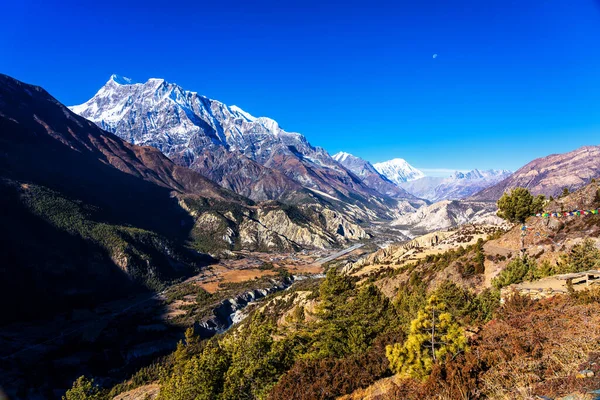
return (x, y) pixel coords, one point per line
(398, 171)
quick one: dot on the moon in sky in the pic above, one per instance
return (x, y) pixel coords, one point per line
(435, 55)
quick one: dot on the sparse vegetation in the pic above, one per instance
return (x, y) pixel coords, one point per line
(141, 250)
(584, 256)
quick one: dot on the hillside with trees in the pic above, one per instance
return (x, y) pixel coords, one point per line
(349, 336)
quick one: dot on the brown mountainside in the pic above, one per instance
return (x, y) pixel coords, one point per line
(549, 175)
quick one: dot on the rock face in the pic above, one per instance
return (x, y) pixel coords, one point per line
(398, 171)
(267, 226)
(230, 311)
(549, 175)
(459, 185)
(372, 178)
(446, 214)
(249, 155)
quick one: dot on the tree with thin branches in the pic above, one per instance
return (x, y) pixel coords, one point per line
(434, 334)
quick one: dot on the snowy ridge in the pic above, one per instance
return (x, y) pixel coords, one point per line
(164, 115)
(341, 156)
(371, 177)
(398, 171)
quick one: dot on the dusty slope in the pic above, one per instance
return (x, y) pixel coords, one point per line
(549, 175)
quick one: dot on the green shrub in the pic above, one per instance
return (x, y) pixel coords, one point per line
(515, 272)
(582, 257)
(83, 389)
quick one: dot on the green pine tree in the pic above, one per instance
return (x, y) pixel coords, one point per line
(433, 335)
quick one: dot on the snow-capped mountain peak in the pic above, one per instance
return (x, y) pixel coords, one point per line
(370, 176)
(341, 156)
(398, 170)
(120, 104)
(480, 174)
(120, 80)
(236, 110)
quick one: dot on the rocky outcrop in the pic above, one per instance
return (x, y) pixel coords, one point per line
(239, 173)
(447, 214)
(269, 226)
(146, 392)
(549, 175)
(228, 312)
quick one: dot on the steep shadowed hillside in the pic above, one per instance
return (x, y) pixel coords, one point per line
(84, 211)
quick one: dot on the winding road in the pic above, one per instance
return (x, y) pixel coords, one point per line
(339, 253)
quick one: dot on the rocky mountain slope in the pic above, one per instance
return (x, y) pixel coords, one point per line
(371, 177)
(263, 160)
(448, 213)
(549, 175)
(398, 171)
(457, 186)
(83, 210)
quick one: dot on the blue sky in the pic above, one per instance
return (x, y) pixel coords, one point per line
(513, 80)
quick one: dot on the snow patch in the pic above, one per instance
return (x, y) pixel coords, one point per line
(325, 194)
(341, 156)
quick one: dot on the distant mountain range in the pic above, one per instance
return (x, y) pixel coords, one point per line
(386, 176)
(84, 210)
(459, 185)
(371, 177)
(256, 158)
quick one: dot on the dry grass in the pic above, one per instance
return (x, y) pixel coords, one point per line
(146, 392)
(539, 350)
(233, 276)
